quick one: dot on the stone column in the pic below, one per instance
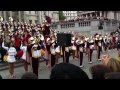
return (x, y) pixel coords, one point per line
(96, 14)
(19, 13)
(104, 14)
(42, 16)
(10, 13)
(112, 15)
(24, 16)
(90, 14)
(117, 15)
(0, 13)
(38, 14)
(100, 13)
(4, 15)
(86, 16)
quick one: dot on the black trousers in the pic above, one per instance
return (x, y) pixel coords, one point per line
(66, 57)
(35, 65)
(53, 60)
(105, 47)
(99, 51)
(67, 54)
(81, 58)
(91, 51)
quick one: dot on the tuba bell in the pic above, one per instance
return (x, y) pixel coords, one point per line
(41, 37)
(10, 19)
(1, 19)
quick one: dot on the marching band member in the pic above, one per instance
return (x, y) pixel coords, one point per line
(57, 50)
(23, 47)
(11, 57)
(86, 45)
(105, 44)
(46, 29)
(36, 54)
(113, 41)
(109, 42)
(47, 51)
(77, 47)
(90, 51)
(53, 53)
(101, 40)
(17, 41)
(66, 54)
(98, 46)
(73, 47)
(31, 42)
(81, 50)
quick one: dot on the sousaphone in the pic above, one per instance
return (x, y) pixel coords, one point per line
(10, 19)
(1, 19)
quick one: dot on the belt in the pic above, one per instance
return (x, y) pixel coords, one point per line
(35, 57)
(11, 55)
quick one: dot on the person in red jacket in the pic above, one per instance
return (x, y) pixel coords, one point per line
(17, 41)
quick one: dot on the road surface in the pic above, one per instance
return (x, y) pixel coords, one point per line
(44, 72)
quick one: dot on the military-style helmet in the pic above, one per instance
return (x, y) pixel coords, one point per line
(1, 19)
(10, 19)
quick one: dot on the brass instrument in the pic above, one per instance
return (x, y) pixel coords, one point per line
(1, 19)
(10, 19)
(41, 37)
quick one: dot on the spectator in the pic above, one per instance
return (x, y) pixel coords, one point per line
(112, 63)
(29, 75)
(112, 75)
(99, 71)
(67, 71)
